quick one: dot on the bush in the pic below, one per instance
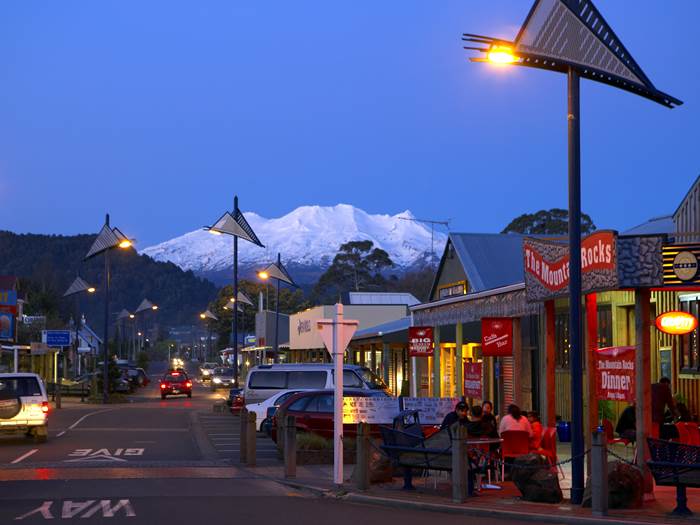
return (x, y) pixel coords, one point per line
(307, 441)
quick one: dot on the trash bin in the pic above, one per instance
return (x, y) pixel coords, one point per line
(564, 431)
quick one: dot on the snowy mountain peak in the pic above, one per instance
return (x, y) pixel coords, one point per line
(307, 236)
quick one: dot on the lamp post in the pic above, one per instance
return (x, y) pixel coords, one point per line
(236, 225)
(77, 287)
(278, 272)
(108, 239)
(143, 307)
(568, 37)
(208, 317)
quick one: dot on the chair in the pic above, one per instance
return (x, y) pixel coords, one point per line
(610, 435)
(549, 448)
(683, 433)
(693, 433)
(515, 443)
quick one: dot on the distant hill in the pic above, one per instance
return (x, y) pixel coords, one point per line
(51, 262)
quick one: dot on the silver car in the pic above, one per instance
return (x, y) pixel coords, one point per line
(222, 378)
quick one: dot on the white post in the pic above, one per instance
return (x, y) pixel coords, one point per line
(414, 377)
(338, 399)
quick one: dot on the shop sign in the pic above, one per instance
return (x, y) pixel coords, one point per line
(496, 336)
(614, 373)
(7, 326)
(676, 323)
(431, 410)
(681, 264)
(420, 341)
(373, 410)
(546, 266)
(472, 380)
(8, 302)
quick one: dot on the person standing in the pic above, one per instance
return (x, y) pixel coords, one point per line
(661, 397)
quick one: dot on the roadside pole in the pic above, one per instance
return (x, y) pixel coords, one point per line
(336, 334)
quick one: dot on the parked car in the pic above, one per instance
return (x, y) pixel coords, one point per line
(24, 406)
(262, 409)
(264, 381)
(205, 371)
(313, 411)
(221, 378)
(138, 376)
(235, 400)
(175, 383)
(123, 386)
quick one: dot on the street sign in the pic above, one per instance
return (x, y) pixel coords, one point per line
(56, 337)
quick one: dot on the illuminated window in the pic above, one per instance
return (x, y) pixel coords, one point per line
(561, 334)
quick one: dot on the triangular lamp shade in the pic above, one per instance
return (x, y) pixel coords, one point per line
(236, 226)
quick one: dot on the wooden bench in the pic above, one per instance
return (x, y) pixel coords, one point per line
(676, 465)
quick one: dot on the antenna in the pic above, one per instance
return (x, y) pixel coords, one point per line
(445, 223)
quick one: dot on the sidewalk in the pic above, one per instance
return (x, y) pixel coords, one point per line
(434, 494)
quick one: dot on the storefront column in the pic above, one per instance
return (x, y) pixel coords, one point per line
(437, 372)
(517, 362)
(550, 365)
(386, 361)
(642, 298)
(591, 346)
(459, 361)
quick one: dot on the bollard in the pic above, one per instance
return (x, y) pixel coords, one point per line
(362, 461)
(243, 442)
(251, 433)
(290, 447)
(460, 465)
(599, 474)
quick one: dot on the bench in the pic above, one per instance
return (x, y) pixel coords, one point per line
(677, 465)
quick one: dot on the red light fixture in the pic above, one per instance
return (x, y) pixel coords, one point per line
(45, 407)
(162, 385)
(676, 323)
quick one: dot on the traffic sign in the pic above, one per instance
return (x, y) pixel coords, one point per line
(56, 337)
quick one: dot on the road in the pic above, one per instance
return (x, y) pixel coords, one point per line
(154, 461)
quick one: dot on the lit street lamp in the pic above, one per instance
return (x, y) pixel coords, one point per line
(77, 287)
(144, 306)
(278, 272)
(108, 239)
(236, 225)
(572, 37)
(208, 317)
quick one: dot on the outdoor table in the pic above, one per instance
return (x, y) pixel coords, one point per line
(486, 441)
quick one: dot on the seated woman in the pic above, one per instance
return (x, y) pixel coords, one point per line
(514, 420)
(536, 426)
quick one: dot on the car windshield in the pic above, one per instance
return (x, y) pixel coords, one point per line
(372, 380)
(19, 386)
(178, 378)
(224, 372)
(209, 365)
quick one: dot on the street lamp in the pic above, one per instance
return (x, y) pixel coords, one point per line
(77, 287)
(278, 272)
(108, 239)
(236, 225)
(122, 317)
(572, 37)
(208, 317)
(144, 306)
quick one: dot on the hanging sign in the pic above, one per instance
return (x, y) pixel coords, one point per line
(496, 336)
(472, 380)
(420, 341)
(676, 323)
(681, 264)
(7, 326)
(614, 373)
(546, 265)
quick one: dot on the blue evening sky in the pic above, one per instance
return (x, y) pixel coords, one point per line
(158, 111)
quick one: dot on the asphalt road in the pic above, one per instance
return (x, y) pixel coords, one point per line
(155, 462)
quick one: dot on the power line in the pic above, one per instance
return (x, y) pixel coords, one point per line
(432, 222)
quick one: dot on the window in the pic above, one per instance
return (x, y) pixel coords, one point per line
(299, 405)
(689, 342)
(561, 335)
(306, 379)
(452, 290)
(350, 379)
(605, 326)
(19, 386)
(322, 403)
(267, 380)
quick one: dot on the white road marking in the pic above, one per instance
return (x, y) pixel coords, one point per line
(88, 415)
(71, 509)
(24, 456)
(60, 434)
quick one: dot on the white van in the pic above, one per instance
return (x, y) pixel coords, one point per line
(24, 405)
(266, 380)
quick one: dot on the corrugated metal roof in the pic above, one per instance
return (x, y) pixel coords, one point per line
(385, 328)
(490, 260)
(657, 225)
(382, 298)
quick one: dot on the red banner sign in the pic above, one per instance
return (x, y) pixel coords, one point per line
(420, 341)
(497, 336)
(614, 373)
(547, 265)
(472, 380)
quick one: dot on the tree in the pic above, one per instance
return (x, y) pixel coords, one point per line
(358, 265)
(547, 222)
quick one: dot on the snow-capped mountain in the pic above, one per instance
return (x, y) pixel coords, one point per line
(308, 236)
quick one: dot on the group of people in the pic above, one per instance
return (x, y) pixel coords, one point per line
(480, 421)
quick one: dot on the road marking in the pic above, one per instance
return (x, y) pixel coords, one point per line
(60, 434)
(88, 415)
(24, 456)
(103, 454)
(71, 509)
(122, 429)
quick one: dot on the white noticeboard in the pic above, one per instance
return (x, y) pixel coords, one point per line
(374, 410)
(431, 410)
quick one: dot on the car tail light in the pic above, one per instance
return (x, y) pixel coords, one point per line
(162, 385)
(45, 407)
(189, 384)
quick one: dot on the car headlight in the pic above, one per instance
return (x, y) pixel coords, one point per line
(205, 372)
(217, 380)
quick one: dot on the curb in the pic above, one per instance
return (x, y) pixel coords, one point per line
(487, 513)
(200, 438)
(317, 491)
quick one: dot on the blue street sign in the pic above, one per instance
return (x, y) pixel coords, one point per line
(57, 337)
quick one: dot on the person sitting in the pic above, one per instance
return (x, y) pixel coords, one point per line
(536, 426)
(458, 415)
(514, 420)
(488, 419)
(478, 457)
(626, 426)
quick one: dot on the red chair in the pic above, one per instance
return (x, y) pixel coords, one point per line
(693, 433)
(610, 435)
(683, 433)
(515, 443)
(549, 447)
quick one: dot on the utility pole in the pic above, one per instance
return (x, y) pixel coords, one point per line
(432, 223)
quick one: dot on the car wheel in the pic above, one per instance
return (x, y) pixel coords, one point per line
(162, 396)
(41, 434)
(189, 395)
(9, 408)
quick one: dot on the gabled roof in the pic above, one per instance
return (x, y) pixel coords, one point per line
(380, 298)
(687, 193)
(489, 260)
(656, 225)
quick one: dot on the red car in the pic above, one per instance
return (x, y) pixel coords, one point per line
(313, 411)
(175, 383)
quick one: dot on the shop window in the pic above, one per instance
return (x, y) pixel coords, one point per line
(561, 334)
(605, 326)
(689, 342)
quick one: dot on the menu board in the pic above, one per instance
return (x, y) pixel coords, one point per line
(376, 410)
(431, 410)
